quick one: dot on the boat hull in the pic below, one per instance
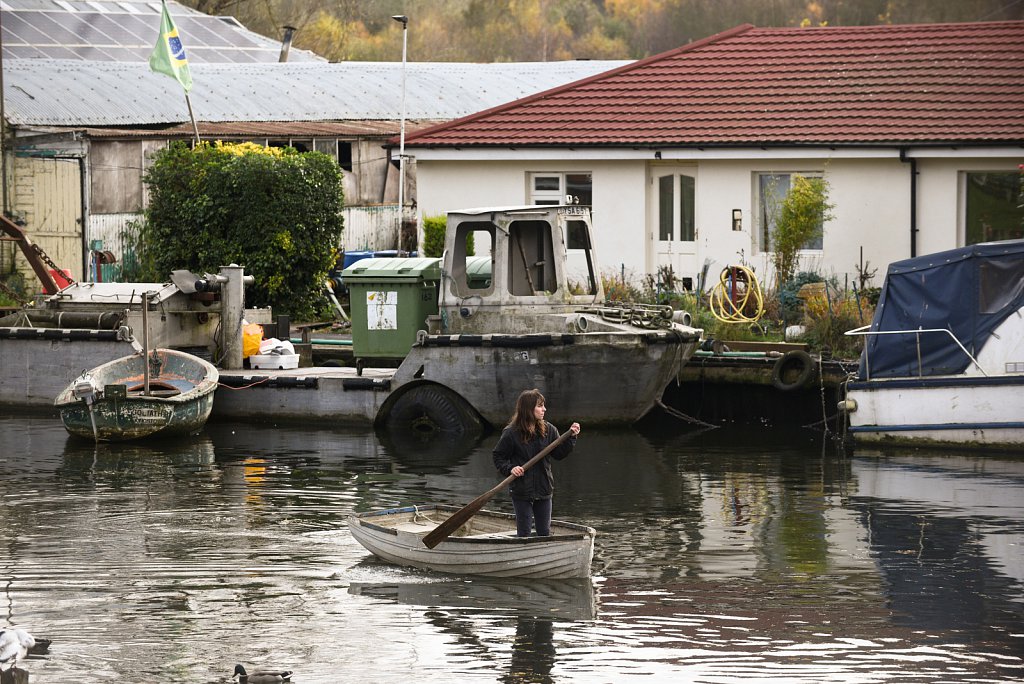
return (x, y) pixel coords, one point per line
(594, 378)
(485, 546)
(960, 411)
(181, 399)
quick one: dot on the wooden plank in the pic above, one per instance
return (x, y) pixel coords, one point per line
(781, 347)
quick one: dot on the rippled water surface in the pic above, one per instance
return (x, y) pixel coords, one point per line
(721, 557)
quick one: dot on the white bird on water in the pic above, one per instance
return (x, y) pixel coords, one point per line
(14, 646)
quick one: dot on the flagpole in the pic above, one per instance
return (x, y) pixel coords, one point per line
(192, 116)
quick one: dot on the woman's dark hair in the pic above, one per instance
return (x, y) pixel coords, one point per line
(523, 419)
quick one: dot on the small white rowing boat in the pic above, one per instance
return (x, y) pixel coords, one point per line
(486, 545)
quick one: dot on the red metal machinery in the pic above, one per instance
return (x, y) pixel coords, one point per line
(37, 258)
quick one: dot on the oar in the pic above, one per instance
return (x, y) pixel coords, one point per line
(459, 518)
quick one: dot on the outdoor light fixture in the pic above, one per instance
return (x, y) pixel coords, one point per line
(737, 219)
(404, 21)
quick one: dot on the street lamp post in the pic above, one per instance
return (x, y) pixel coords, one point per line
(404, 20)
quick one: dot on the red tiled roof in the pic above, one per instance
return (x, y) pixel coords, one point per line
(924, 84)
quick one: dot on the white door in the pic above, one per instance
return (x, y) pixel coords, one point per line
(673, 229)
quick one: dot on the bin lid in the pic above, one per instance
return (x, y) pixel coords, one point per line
(479, 266)
(391, 268)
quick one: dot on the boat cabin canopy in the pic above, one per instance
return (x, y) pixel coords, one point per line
(969, 291)
(527, 247)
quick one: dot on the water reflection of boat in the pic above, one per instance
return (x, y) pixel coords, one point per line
(432, 453)
(486, 545)
(956, 514)
(183, 452)
(165, 392)
(569, 600)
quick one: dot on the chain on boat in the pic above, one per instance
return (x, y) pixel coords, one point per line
(638, 315)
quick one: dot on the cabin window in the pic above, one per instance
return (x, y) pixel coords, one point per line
(994, 206)
(561, 188)
(1001, 282)
(472, 275)
(531, 266)
(579, 238)
(772, 189)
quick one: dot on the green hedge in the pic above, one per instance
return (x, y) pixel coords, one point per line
(434, 228)
(276, 212)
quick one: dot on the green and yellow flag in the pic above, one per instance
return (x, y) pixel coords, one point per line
(169, 54)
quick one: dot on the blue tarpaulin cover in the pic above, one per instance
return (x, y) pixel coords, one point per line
(969, 291)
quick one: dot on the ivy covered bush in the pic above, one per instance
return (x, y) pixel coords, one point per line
(276, 212)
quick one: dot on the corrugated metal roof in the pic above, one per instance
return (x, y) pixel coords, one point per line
(76, 93)
(938, 83)
(126, 30)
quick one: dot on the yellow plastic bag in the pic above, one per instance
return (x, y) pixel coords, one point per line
(252, 336)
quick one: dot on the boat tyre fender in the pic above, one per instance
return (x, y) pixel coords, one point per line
(432, 410)
(793, 370)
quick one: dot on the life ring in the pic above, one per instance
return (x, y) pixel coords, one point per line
(430, 409)
(794, 370)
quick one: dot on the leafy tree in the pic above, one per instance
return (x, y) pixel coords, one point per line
(801, 218)
(274, 211)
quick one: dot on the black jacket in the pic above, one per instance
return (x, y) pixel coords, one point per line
(511, 451)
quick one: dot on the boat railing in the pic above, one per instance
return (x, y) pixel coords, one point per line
(864, 331)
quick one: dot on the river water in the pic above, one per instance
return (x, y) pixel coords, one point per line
(722, 556)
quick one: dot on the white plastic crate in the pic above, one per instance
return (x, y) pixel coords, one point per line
(281, 361)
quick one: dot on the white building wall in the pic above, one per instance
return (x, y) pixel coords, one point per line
(870, 191)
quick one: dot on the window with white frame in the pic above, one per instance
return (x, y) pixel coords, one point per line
(563, 188)
(993, 206)
(772, 189)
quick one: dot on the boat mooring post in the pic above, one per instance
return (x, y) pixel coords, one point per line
(145, 342)
(233, 281)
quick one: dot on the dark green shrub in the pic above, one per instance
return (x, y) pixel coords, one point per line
(790, 306)
(275, 212)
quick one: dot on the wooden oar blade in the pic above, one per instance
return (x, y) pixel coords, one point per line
(457, 520)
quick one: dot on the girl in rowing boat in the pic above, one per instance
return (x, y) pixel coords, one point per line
(526, 434)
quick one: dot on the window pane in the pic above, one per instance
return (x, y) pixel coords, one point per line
(686, 219)
(772, 189)
(578, 237)
(994, 207)
(580, 187)
(665, 207)
(547, 183)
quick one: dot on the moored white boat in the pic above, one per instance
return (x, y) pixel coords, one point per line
(486, 545)
(944, 357)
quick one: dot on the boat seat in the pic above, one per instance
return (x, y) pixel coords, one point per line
(415, 527)
(156, 389)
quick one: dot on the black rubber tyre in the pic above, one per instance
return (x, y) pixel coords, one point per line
(794, 370)
(432, 410)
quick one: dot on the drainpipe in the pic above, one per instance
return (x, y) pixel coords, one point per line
(286, 43)
(913, 199)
